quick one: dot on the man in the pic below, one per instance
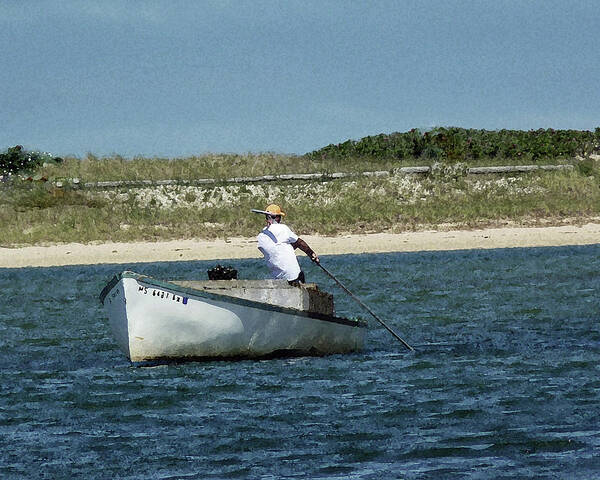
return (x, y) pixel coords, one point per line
(277, 243)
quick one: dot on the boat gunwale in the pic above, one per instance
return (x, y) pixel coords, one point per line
(358, 323)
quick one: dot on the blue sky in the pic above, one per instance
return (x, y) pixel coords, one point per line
(175, 78)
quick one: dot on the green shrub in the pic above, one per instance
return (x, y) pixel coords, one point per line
(587, 167)
(17, 160)
(455, 144)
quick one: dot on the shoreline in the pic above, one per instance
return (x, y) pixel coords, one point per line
(236, 248)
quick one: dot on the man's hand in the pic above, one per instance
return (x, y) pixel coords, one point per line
(314, 257)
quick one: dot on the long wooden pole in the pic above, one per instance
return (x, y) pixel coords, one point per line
(366, 308)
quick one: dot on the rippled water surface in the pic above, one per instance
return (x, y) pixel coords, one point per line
(504, 382)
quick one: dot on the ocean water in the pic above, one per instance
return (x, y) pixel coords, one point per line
(504, 382)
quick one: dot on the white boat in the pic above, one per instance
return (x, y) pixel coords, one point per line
(156, 320)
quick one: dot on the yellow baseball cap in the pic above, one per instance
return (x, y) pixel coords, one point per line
(270, 210)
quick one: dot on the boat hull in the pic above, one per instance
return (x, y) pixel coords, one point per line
(154, 321)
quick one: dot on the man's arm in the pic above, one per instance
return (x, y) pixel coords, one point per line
(302, 245)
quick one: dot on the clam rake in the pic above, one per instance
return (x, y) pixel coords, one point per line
(365, 307)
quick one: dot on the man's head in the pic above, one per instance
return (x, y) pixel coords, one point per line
(273, 214)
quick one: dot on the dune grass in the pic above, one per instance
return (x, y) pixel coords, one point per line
(223, 166)
(32, 213)
(215, 166)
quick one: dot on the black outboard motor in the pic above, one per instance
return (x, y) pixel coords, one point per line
(221, 272)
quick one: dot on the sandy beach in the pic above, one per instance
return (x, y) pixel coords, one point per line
(122, 253)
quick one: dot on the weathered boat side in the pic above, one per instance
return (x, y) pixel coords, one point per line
(154, 319)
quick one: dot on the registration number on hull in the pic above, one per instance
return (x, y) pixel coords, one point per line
(155, 292)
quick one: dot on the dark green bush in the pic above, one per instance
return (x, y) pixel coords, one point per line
(18, 160)
(454, 144)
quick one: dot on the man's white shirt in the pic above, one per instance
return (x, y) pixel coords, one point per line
(274, 241)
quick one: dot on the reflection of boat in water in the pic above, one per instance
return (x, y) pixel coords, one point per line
(158, 320)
